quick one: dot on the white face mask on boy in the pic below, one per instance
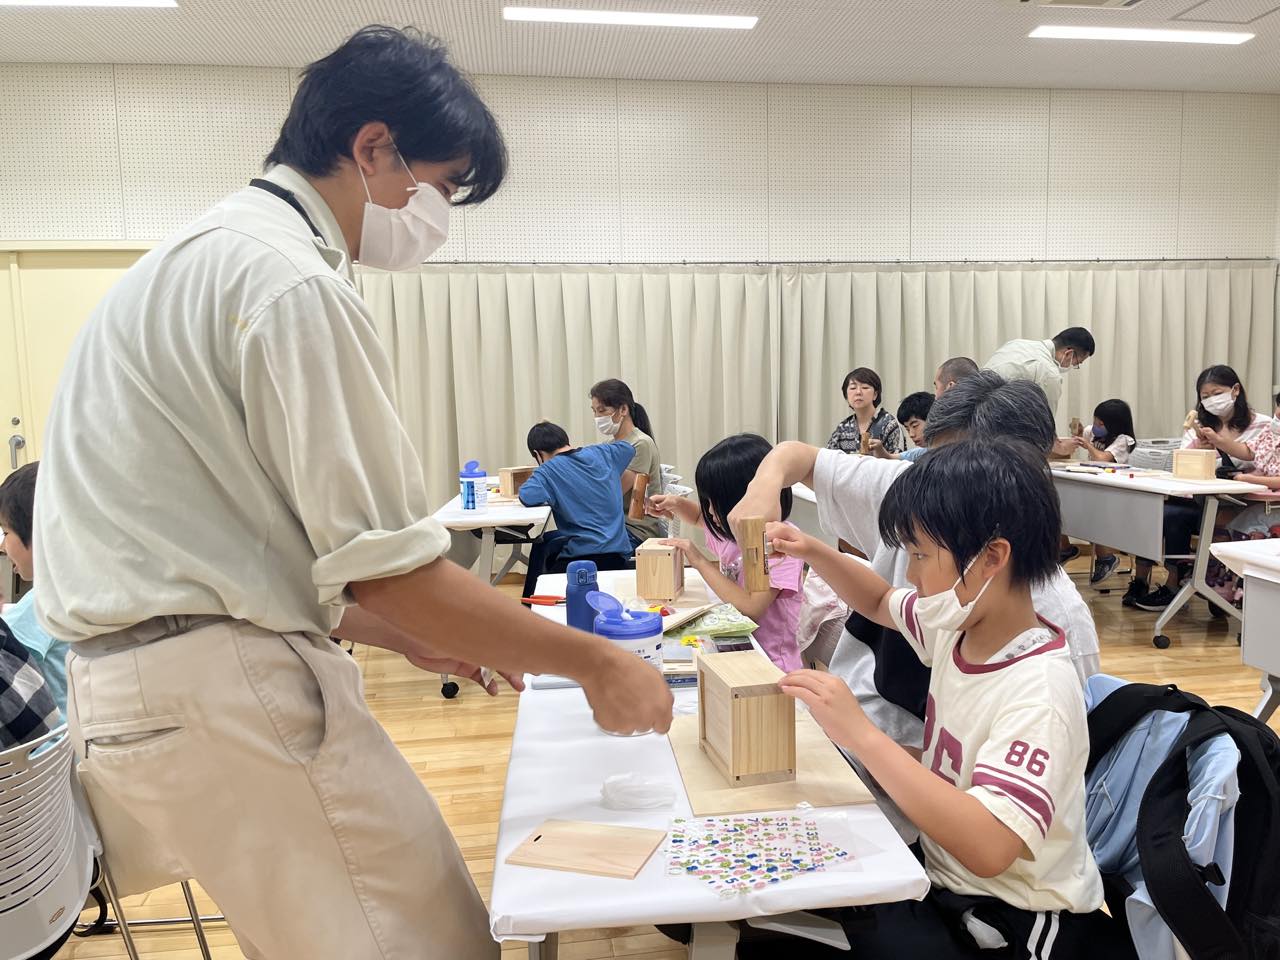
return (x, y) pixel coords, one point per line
(944, 611)
(401, 239)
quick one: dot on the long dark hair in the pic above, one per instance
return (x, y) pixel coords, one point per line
(615, 393)
(1220, 375)
(722, 476)
(1117, 420)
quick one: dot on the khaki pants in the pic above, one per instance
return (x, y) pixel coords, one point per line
(249, 761)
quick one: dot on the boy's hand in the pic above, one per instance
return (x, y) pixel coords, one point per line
(663, 505)
(788, 541)
(832, 704)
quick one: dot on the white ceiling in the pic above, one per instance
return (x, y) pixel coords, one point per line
(925, 42)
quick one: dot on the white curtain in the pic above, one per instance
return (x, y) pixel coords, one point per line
(483, 352)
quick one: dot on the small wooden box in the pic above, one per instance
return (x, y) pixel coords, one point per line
(1195, 464)
(659, 571)
(746, 725)
(511, 479)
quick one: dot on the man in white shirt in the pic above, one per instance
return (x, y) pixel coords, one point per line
(225, 472)
(1042, 361)
(879, 667)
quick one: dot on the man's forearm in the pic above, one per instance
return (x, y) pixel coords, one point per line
(452, 613)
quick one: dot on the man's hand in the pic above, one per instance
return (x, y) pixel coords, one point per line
(832, 704)
(1064, 447)
(468, 671)
(627, 695)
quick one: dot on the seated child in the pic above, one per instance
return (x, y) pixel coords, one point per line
(998, 795)
(913, 411)
(17, 506)
(580, 484)
(721, 477)
(1110, 441)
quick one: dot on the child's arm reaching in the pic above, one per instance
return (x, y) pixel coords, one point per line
(952, 818)
(855, 583)
(669, 507)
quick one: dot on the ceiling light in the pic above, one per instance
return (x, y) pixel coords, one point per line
(628, 18)
(1141, 34)
(88, 3)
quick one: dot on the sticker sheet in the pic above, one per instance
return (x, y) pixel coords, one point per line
(741, 854)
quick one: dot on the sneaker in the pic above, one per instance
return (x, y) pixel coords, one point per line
(1069, 554)
(1103, 568)
(1156, 600)
(1137, 590)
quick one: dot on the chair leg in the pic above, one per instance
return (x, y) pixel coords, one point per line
(195, 920)
(129, 947)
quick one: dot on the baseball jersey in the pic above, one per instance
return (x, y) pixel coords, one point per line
(1012, 733)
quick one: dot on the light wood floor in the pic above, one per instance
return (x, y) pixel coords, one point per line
(460, 749)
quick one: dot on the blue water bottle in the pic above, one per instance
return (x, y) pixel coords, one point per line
(582, 580)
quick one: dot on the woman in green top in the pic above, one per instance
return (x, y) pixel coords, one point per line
(619, 417)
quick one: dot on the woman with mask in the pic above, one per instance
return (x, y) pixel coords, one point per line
(1224, 422)
(619, 417)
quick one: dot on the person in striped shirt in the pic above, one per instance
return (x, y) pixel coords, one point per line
(998, 793)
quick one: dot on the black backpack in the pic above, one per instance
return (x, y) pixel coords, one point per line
(1249, 928)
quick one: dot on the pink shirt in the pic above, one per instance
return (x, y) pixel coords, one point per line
(776, 632)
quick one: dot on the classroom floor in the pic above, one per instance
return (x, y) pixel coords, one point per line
(460, 749)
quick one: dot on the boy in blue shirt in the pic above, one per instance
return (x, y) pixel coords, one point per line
(580, 485)
(17, 503)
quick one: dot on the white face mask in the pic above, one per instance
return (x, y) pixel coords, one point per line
(944, 611)
(400, 239)
(1219, 404)
(607, 427)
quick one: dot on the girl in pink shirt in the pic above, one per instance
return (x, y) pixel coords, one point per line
(721, 478)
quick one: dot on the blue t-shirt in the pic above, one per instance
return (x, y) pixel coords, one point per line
(50, 655)
(581, 488)
(914, 454)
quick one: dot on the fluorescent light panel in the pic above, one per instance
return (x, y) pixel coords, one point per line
(628, 18)
(88, 3)
(1140, 34)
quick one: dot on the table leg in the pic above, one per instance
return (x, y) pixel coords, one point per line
(1270, 698)
(1199, 573)
(484, 570)
(548, 949)
(713, 941)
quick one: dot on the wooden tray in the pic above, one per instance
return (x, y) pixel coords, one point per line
(594, 848)
(823, 776)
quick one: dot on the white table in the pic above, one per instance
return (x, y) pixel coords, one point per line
(514, 517)
(1258, 561)
(559, 759)
(1127, 513)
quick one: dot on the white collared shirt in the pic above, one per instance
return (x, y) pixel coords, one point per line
(224, 438)
(1034, 360)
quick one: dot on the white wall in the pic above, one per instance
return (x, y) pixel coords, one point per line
(646, 171)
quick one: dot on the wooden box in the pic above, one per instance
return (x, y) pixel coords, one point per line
(659, 571)
(510, 479)
(1195, 464)
(746, 725)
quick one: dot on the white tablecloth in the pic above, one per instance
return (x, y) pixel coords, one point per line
(560, 759)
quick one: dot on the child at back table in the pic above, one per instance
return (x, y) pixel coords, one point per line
(998, 794)
(721, 477)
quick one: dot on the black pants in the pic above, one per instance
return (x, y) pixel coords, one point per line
(547, 555)
(933, 929)
(1181, 523)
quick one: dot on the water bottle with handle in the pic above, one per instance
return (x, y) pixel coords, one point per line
(581, 581)
(474, 484)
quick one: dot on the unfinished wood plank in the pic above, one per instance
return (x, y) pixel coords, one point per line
(598, 849)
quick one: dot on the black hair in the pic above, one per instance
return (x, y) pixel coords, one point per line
(965, 494)
(987, 405)
(1075, 338)
(722, 476)
(956, 369)
(915, 405)
(862, 375)
(18, 501)
(615, 393)
(404, 79)
(1223, 376)
(546, 437)
(1277, 399)
(1117, 420)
